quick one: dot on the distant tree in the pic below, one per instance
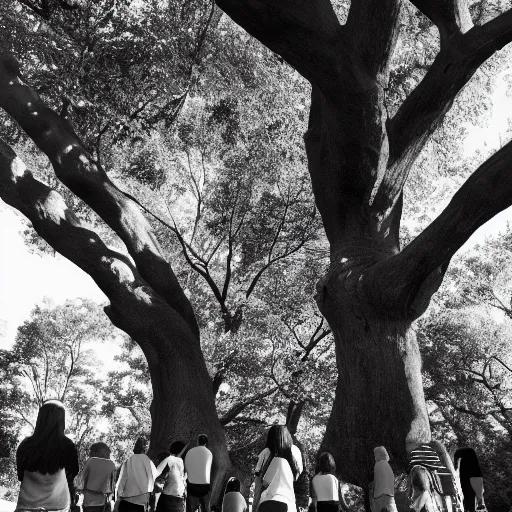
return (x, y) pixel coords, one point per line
(52, 357)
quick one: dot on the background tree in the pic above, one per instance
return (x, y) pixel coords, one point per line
(52, 358)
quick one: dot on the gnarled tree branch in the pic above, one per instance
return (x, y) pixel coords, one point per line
(487, 192)
(85, 177)
(424, 109)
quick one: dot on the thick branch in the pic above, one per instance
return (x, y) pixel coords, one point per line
(424, 109)
(403, 277)
(78, 171)
(305, 33)
(452, 17)
(372, 29)
(56, 224)
(239, 407)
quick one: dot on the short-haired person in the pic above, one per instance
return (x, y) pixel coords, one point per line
(47, 462)
(326, 491)
(277, 437)
(97, 479)
(279, 474)
(136, 479)
(233, 500)
(172, 498)
(384, 482)
(198, 465)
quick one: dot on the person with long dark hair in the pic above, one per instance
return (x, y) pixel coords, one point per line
(96, 480)
(47, 462)
(233, 501)
(278, 468)
(274, 436)
(326, 491)
(471, 480)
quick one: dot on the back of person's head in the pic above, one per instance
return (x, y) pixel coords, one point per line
(202, 440)
(420, 478)
(141, 445)
(279, 442)
(44, 450)
(380, 453)
(176, 447)
(100, 450)
(233, 485)
(325, 464)
(468, 458)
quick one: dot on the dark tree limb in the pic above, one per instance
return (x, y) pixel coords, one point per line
(305, 33)
(452, 17)
(372, 31)
(402, 277)
(425, 108)
(239, 407)
(85, 177)
(56, 224)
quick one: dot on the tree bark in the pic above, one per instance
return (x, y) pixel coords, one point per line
(359, 160)
(146, 300)
(379, 397)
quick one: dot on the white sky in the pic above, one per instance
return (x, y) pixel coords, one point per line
(26, 278)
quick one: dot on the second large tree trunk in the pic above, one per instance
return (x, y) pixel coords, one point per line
(183, 405)
(379, 397)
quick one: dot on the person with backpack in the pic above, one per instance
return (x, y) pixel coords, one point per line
(47, 463)
(279, 469)
(96, 480)
(326, 492)
(198, 465)
(275, 438)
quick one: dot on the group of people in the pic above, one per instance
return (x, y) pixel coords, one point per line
(47, 466)
(436, 484)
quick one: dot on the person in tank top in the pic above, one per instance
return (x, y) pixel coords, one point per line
(47, 462)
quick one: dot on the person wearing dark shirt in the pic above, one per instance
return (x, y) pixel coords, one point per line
(470, 476)
(47, 462)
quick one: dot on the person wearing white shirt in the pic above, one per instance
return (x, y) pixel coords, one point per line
(326, 491)
(279, 465)
(172, 498)
(198, 465)
(136, 479)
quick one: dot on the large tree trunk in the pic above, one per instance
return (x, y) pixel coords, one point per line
(183, 406)
(379, 397)
(146, 299)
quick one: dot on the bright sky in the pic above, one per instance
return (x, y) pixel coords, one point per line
(26, 278)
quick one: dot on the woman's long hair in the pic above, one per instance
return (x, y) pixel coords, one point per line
(469, 460)
(279, 442)
(233, 485)
(44, 450)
